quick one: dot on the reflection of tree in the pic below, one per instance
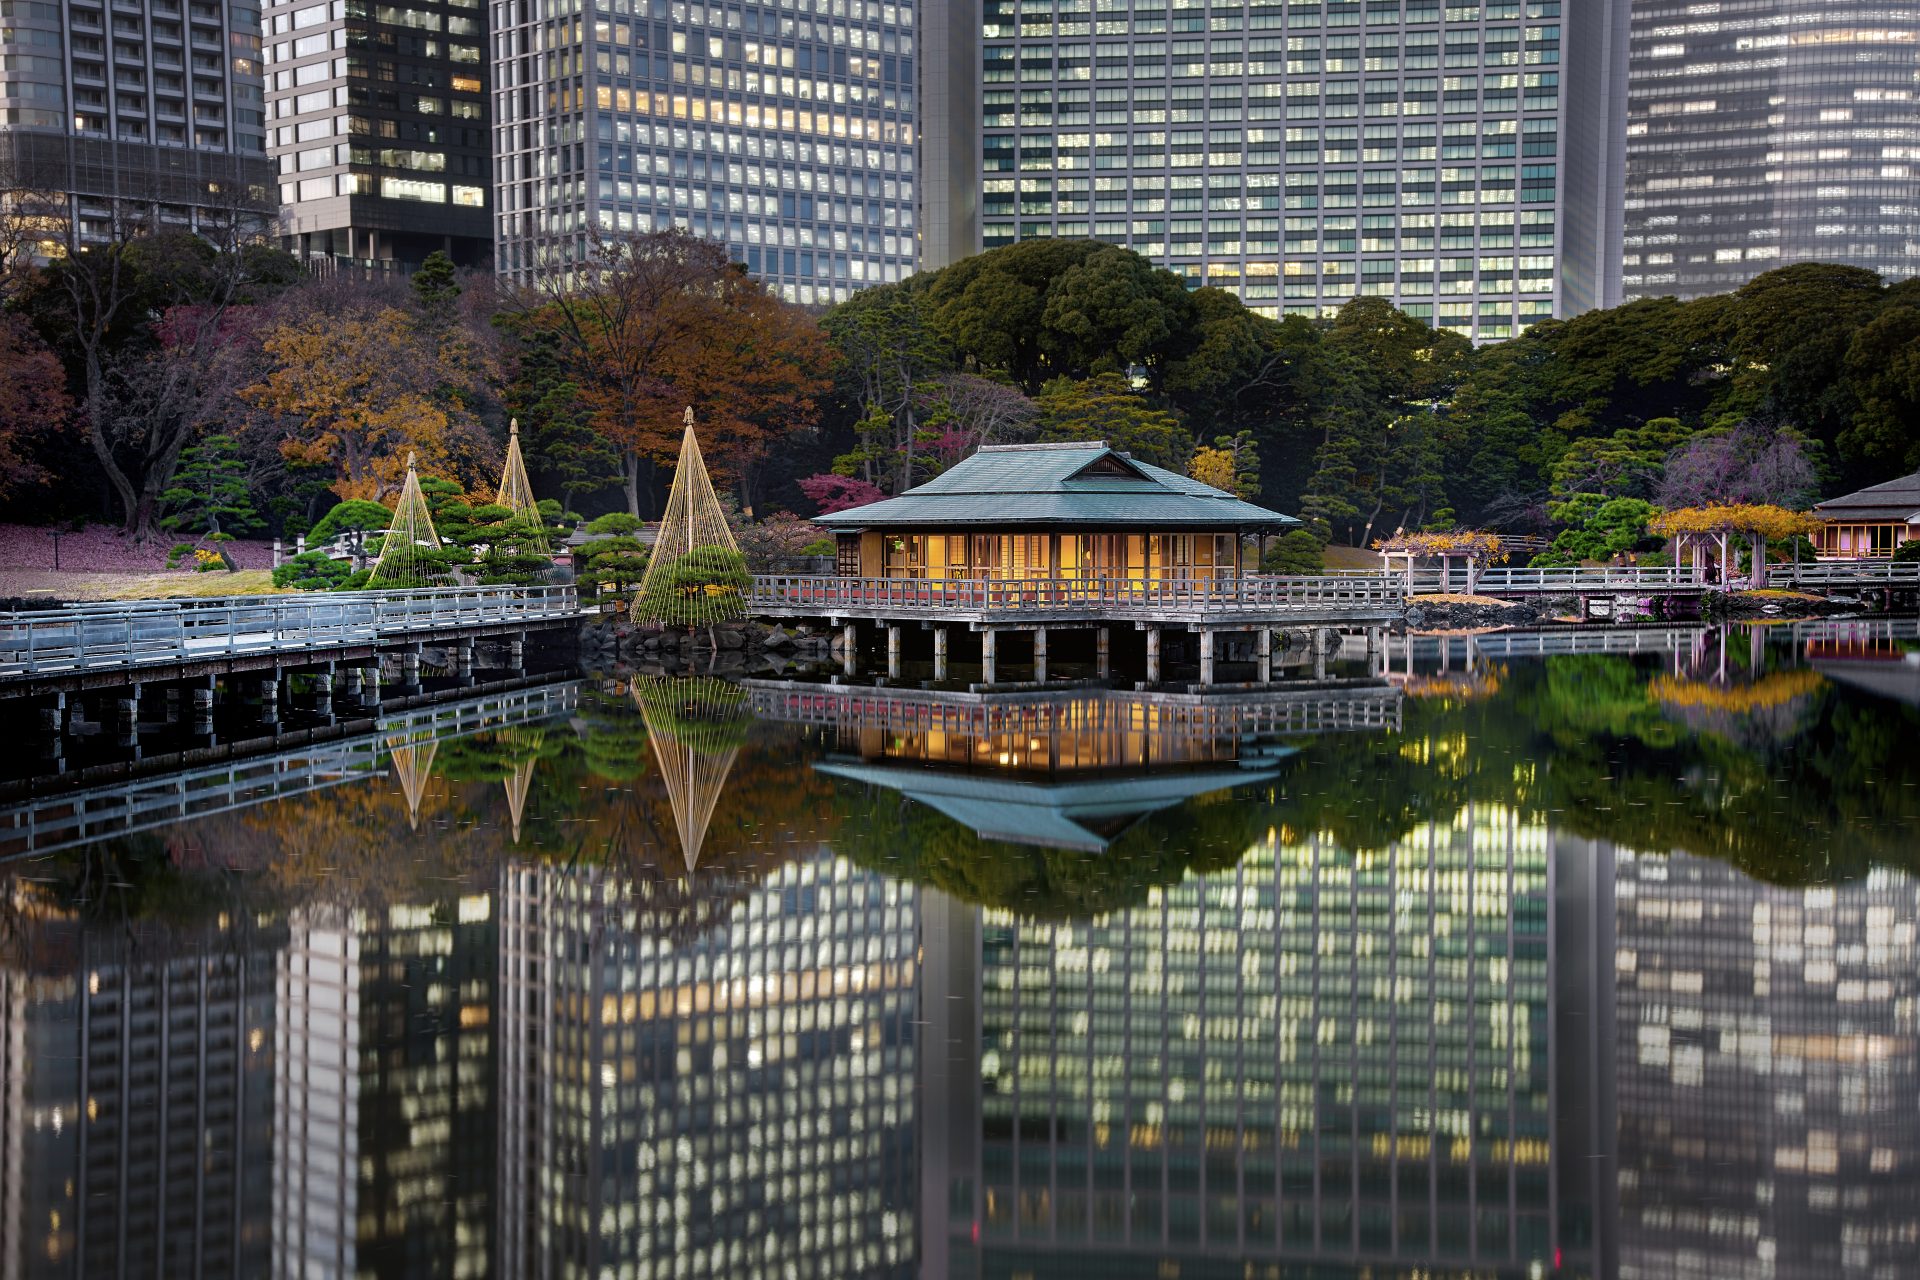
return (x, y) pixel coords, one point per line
(1587, 745)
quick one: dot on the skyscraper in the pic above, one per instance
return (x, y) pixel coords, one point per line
(1763, 132)
(1331, 1057)
(734, 1100)
(379, 130)
(785, 131)
(1766, 1062)
(1457, 159)
(143, 113)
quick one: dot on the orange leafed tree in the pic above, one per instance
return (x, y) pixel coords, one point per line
(655, 323)
(361, 389)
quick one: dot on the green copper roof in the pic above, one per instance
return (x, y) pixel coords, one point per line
(1059, 484)
(1084, 814)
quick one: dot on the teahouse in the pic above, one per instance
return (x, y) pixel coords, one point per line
(1873, 522)
(1069, 511)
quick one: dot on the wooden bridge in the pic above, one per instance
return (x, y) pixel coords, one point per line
(1661, 580)
(119, 643)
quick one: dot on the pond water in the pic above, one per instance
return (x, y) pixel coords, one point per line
(1512, 962)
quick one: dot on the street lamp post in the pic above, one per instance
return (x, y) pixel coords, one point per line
(56, 535)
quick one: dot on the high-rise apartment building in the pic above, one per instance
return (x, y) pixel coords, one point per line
(378, 130)
(1457, 159)
(1764, 132)
(1336, 1058)
(135, 1104)
(784, 130)
(383, 1092)
(1767, 1057)
(734, 1100)
(134, 114)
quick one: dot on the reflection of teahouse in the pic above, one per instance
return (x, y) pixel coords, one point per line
(1876, 521)
(1051, 511)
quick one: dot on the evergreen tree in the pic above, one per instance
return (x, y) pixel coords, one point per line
(209, 492)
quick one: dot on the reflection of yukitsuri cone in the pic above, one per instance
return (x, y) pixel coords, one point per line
(516, 491)
(516, 784)
(402, 561)
(413, 762)
(695, 742)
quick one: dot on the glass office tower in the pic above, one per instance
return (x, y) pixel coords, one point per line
(1333, 1057)
(1457, 159)
(136, 114)
(785, 131)
(1761, 133)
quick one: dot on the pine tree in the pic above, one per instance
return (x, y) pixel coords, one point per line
(209, 492)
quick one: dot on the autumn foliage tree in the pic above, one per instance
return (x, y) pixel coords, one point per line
(652, 324)
(1717, 525)
(33, 404)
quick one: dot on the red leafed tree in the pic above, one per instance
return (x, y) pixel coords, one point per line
(652, 324)
(832, 492)
(33, 403)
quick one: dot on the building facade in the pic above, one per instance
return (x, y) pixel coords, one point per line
(1767, 1057)
(378, 131)
(1335, 1058)
(784, 130)
(1763, 132)
(737, 1102)
(1459, 160)
(143, 114)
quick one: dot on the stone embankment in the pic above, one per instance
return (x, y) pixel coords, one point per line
(609, 642)
(1434, 614)
(1774, 602)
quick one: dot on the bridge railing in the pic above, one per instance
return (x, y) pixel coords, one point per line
(1570, 579)
(139, 633)
(1114, 597)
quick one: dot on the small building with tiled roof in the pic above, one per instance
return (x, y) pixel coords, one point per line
(1876, 521)
(1079, 510)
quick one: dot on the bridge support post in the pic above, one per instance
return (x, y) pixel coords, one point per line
(1263, 651)
(1103, 652)
(1153, 655)
(410, 669)
(850, 648)
(323, 692)
(893, 651)
(463, 663)
(989, 663)
(939, 653)
(1206, 657)
(170, 697)
(270, 701)
(127, 708)
(1324, 638)
(52, 714)
(202, 695)
(350, 685)
(517, 654)
(370, 688)
(1040, 654)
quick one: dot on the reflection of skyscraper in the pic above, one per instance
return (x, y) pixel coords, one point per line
(1767, 1064)
(1316, 1055)
(134, 1119)
(384, 1092)
(736, 1104)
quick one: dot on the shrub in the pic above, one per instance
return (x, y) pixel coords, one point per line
(1295, 552)
(1907, 552)
(315, 571)
(614, 522)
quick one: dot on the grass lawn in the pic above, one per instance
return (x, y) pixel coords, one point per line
(134, 586)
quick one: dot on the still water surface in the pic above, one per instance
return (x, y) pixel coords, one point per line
(1501, 965)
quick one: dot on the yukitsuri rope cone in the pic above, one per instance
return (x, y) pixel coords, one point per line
(517, 783)
(516, 491)
(413, 763)
(406, 556)
(695, 728)
(695, 575)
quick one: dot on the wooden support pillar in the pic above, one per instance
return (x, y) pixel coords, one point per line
(1206, 657)
(1103, 652)
(850, 648)
(988, 657)
(1153, 655)
(1263, 651)
(1040, 654)
(893, 651)
(939, 653)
